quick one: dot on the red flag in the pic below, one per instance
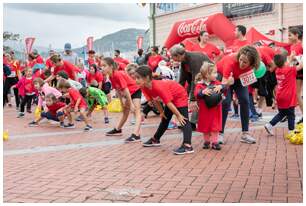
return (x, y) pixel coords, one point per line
(29, 41)
(139, 42)
(90, 43)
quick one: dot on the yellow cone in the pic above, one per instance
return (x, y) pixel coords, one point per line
(5, 136)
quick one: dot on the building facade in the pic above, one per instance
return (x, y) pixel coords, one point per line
(273, 22)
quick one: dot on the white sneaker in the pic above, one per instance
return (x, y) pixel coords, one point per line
(246, 138)
(269, 129)
(220, 138)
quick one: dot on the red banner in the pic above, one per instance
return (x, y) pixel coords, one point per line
(139, 42)
(29, 41)
(90, 43)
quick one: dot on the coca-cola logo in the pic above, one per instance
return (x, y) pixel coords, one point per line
(192, 28)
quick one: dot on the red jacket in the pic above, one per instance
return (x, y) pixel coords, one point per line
(21, 84)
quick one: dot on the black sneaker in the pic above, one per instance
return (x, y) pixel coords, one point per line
(33, 124)
(106, 120)
(21, 114)
(183, 150)
(79, 119)
(260, 115)
(206, 145)
(69, 126)
(151, 143)
(300, 121)
(216, 146)
(88, 128)
(114, 132)
(133, 138)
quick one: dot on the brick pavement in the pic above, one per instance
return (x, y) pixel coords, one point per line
(50, 164)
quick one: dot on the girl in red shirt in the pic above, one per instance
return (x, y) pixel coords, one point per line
(77, 104)
(210, 118)
(296, 49)
(285, 93)
(26, 91)
(127, 89)
(175, 97)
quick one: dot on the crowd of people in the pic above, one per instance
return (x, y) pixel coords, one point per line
(203, 80)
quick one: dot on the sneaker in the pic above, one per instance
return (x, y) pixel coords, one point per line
(183, 150)
(133, 121)
(151, 143)
(33, 124)
(133, 138)
(206, 145)
(215, 146)
(269, 129)
(106, 120)
(235, 116)
(114, 132)
(246, 138)
(254, 118)
(172, 125)
(220, 138)
(260, 115)
(88, 128)
(69, 126)
(300, 121)
(62, 125)
(21, 114)
(79, 119)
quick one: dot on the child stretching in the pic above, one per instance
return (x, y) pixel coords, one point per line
(285, 92)
(54, 111)
(210, 119)
(77, 104)
(93, 97)
(127, 88)
(175, 97)
(26, 90)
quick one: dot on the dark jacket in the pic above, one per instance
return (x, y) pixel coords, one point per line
(190, 67)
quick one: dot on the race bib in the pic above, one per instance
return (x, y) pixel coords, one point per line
(248, 78)
(13, 74)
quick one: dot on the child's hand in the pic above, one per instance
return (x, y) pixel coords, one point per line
(217, 89)
(181, 119)
(207, 92)
(76, 109)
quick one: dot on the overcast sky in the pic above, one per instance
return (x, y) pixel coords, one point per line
(57, 24)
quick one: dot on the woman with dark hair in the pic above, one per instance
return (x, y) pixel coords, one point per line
(154, 58)
(239, 66)
(207, 48)
(294, 37)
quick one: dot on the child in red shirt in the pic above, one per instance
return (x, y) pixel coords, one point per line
(77, 103)
(26, 91)
(175, 97)
(210, 119)
(285, 93)
(126, 88)
(54, 111)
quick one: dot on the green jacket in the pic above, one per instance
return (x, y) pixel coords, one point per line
(96, 95)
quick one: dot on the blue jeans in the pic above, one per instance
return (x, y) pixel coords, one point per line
(289, 113)
(243, 98)
(49, 116)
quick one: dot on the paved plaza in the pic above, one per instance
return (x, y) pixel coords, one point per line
(51, 164)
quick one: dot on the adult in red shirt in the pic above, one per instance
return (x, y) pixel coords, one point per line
(175, 98)
(207, 48)
(120, 61)
(240, 41)
(94, 75)
(62, 65)
(285, 93)
(38, 58)
(296, 49)
(235, 65)
(126, 88)
(49, 63)
(154, 58)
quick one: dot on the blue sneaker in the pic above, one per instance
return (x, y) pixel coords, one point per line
(172, 125)
(254, 118)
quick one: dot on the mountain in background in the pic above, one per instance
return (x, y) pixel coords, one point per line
(124, 40)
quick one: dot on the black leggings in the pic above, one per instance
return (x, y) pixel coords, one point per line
(26, 100)
(289, 113)
(163, 126)
(9, 82)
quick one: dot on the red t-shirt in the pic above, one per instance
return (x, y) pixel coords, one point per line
(29, 86)
(49, 63)
(121, 80)
(39, 73)
(91, 61)
(229, 64)
(122, 63)
(54, 107)
(298, 48)
(39, 60)
(210, 50)
(266, 54)
(168, 91)
(153, 62)
(98, 76)
(286, 87)
(74, 95)
(69, 68)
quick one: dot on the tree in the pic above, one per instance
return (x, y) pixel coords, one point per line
(10, 36)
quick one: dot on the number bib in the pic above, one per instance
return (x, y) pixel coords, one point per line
(248, 78)
(13, 74)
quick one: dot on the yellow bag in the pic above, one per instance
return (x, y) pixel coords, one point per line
(37, 113)
(115, 106)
